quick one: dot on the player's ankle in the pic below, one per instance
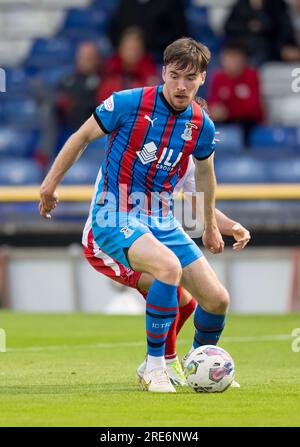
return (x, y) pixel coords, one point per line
(171, 358)
(155, 362)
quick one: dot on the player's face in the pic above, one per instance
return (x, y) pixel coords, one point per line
(181, 86)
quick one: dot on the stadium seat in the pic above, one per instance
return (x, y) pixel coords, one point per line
(27, 22)
(21, 113)
(283, 111)
(285, 170)
(231, 139)
(104, 5)
(214, 3)
(242, 169)
(19, 172)
(216, 19)
(64, 4)
(49, 4)
(276, 79)
(17, 82)
(88, 18)
(273, 110)
(290, 110)
(9, 2)
(52, 52)
(2, 114)
(81, 34)
(82, 172)
(199, 27)
(17, 142)
(51, 76)
(196, 16)
(274, 138)
(13, 52)
(282, 104)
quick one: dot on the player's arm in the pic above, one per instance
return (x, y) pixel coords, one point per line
(229, 227)
(205, 180)
(71, 151)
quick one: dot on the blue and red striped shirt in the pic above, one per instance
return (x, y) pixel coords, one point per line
(148, 141)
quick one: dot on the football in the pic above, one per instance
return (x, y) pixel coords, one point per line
(209, 369)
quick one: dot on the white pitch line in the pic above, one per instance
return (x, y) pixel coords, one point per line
(92, 345)
(243, 339)
(251, 338)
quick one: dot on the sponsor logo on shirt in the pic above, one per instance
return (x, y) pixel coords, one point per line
(147, 117)
(148, 153)
(166, 161)
(109, 104)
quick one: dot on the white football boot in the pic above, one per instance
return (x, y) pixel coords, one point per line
(140, 371)
(157, 381)
(174, 371)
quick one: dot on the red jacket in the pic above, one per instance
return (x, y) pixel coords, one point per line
(241, 96)
(116, 78)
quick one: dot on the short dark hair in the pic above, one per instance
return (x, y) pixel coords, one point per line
(234, 46)
(187, 53)
(135, 31)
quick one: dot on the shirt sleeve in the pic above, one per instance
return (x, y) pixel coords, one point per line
(206, 142)
(113, 112)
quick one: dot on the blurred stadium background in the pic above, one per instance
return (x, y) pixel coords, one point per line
(41, 265)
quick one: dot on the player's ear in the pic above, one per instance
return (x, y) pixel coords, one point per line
(164, 73)
(203, 77)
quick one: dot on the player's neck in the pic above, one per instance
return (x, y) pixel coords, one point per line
(163, 95)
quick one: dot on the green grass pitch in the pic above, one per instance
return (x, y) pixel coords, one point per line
(79, 370)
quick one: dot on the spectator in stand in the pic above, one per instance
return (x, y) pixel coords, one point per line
(291, 52)
(294, 11)
(131, 66)
(76, 93)
(70, 104)
(234, 94)
(162, 21)
(264, 27)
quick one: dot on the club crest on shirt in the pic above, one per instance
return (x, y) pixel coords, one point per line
(127, 231)
(188, 132)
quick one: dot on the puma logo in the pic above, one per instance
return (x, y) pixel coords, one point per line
(147, 117)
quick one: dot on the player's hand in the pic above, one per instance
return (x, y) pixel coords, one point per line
(212, 240)
(241, 235)
(48, 202)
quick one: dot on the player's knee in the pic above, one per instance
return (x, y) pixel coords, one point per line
(169, 270)
(223, 300)
(220, 302)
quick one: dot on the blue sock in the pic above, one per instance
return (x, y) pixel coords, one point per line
(161, 311)
(208, 327)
